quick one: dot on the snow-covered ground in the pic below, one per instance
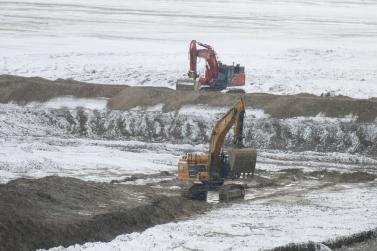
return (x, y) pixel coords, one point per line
(287, 46)
(259, 224)
(37, 140)
(80, 158)
(291, 46)
(43, 139)
(106, 160)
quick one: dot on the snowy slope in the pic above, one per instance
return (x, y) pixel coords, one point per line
(86, 141)
(189, 125)
(287, 46)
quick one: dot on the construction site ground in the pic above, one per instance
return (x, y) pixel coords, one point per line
(67, 184)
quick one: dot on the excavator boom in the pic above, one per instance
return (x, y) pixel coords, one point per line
(212, 66)
(222, 127)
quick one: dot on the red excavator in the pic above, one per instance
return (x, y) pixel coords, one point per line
(217, 76)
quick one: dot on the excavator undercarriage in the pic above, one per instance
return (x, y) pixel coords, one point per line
(226, 192)
(228, 181)
(231, 192)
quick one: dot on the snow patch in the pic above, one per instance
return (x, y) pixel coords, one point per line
(71, 102)
(207, 111)
(321, 117)
(153, 108)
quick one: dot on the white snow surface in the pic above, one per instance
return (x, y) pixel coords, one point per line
(287, 47)
(207, 111)
(32, 147)
(107, 160)
(97, 160)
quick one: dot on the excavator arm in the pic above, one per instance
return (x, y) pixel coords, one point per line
(234, 115)
(212, 65)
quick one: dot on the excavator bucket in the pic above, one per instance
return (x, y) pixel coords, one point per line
(186, 85)
(242, 161)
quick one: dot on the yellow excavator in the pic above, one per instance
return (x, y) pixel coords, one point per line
(217, 169)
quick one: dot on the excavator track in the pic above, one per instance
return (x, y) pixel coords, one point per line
(197, 192)
(231, 192)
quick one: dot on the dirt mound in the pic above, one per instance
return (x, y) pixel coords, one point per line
(53, 211)
(288, 176)
(278, 106)
(23, 90)
(362, 241)
(337, 177)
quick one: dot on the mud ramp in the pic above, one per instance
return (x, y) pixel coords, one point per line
(53, 211)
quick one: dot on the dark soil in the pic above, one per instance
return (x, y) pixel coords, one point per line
(363, 241)
(286, 176)
(23, 90)
(278, 106)
(53, 211)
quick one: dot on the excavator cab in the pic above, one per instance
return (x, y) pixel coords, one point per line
(229, 76)
(224, 165)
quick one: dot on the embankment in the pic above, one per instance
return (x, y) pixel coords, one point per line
(53, 211)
